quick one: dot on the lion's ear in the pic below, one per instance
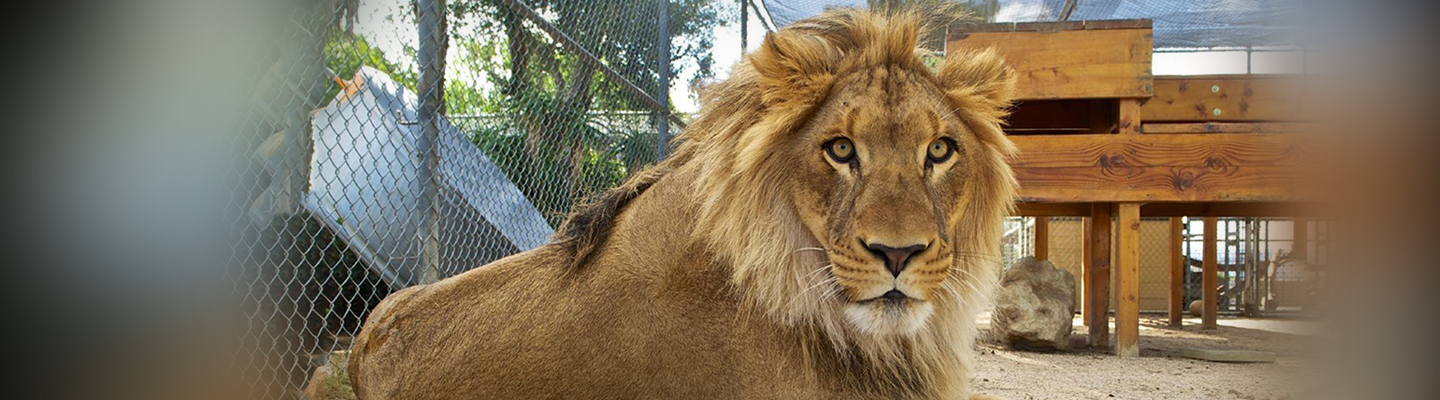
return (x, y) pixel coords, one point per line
(979, 79)
(793, 67)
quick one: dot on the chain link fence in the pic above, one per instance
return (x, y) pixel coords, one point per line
(391, 143)
(1255, 264)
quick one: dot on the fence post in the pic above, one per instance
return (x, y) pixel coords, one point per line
(1209, 280)
(430, 15)
(1177, 271)
(662, 116)
(1098, 277)
(744, 27)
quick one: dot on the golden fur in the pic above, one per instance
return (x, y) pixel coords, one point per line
(738, 268)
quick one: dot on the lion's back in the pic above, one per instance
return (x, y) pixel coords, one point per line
(467, 324)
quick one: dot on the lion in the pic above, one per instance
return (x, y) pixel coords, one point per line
(826, 228)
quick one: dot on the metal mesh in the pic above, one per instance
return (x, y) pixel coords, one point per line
(1252, 261)
(391, 143)
(1255, 269)
(1018, 240)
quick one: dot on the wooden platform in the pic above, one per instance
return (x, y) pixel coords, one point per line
(1101, 137)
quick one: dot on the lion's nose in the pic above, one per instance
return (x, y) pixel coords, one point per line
(895, 257)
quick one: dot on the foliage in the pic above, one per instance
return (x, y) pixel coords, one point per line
(554, 123)
(558, 137)
(345, 53)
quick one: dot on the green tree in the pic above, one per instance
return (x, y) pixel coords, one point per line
(346, 52)
(563, 108)
(554, 123)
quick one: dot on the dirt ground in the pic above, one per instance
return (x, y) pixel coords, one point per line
(1159, 372)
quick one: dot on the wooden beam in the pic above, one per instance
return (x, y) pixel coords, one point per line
(1053, 210)
(1161, 168)
(1160, 150)
(1161, 184)
(1098, 277)
(1226, 98)
(1062, 62)
(1129, 122)
(1209, 281)
(1042, 238)
(1085, 269)
(1228, 127)
(1228, 209)
(1127, 307)
(1300, 248)
(1177, 271)
(1182, 209)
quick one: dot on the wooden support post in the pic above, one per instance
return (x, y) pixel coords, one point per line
(1042, 238)
(1127, 282)
(1209, 282)
(1177, 271)
(1099, 275)
(1300, 249)
(1129, 122)
(1085, 263)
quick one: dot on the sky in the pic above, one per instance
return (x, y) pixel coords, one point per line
(390, 34)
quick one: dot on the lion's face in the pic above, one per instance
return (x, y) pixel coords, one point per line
(852, 188)
(881, 177)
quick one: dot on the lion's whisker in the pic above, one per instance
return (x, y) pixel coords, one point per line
(802, 293)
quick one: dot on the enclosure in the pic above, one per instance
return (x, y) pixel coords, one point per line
(393, 143)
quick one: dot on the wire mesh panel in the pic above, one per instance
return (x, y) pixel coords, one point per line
(1256, 269)
(1018, 240)
(395, 143)
(1067, 249)
(1154, 264)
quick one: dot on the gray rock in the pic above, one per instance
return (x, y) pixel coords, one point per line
(1035, 306)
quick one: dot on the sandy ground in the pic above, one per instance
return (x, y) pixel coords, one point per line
(1159, 372)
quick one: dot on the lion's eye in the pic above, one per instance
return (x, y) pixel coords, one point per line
(841, 150)
(940, 150)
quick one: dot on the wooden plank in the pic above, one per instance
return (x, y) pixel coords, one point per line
(1127, 307)
(1209, 281)
(1098, 277)
(1162, 168)
(1183, 209)
(1177, 271)
(1129, 119)
(1167, 150)
(1070, 64)
(1085, 268)
(1224, 209)
(1226, 98)
(1053, 210)
(1228, 127)
(1042, 238)
(1157, 184)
